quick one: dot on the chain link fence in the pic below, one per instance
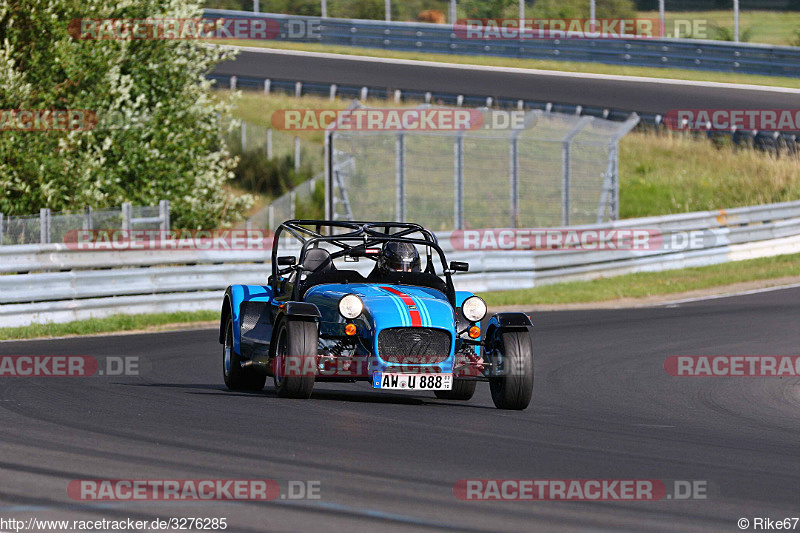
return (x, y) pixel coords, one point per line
(554, 170)
(48, 227)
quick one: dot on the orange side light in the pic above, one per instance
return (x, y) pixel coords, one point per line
(474, 332)
(350, 329)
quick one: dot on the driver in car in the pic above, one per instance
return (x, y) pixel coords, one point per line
(396, 257)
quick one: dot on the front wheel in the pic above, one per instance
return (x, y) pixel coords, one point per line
(236, 377)
(463, 389)
(296, 350)
(513, 388)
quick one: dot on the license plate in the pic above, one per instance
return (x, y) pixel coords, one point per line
(397, 381)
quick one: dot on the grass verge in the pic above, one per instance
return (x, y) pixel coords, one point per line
(107, 325)
(645, 284)
(541, 64)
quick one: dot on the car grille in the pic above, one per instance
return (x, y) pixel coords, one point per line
(408, 346)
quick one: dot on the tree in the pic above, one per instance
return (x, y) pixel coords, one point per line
(158, 135)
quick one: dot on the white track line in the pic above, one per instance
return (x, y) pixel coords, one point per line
(514, 70)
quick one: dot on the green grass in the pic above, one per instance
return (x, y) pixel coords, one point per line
(561, 66)
(106, 325)
(646, 284)
(675, 173)
(768, 27)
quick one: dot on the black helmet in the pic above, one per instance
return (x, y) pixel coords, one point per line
(399, 257)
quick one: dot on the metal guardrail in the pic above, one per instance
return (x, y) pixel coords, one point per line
(441, 38)
(53, 283)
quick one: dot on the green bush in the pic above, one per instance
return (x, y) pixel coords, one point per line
(165, 141)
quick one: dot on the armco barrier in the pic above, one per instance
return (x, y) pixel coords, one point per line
(441, 38)
(50, 283)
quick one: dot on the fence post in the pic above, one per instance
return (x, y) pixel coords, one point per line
(163, 213)
(615, 184)
(297, 155)
(565, 168)
(269, 143)
(458, 164)
(126, 216)
(1, 229)
(88, 222)
(514, 178)
(44, 225)
(243, 135)
(400, 177)
(271, 220)
(255, 6)
(292, 199)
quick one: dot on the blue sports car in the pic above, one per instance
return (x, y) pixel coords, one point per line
(399, 326)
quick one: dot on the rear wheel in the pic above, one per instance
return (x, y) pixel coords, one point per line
(514, 358)
(236, 377)
(296, 356)
(463, 389)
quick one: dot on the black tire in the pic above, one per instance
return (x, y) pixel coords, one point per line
(463, 389)
(236, 377)
(514, 354)
(298, 338)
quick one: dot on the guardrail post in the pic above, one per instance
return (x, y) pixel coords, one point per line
(400, 177)
(298, 89)
(397, 96)
(88, 221)
(364, 92)
(233, 83)
(44, 225)
(126, 216)
(267, 85)
(163, 213)
(458, 176)
(333, 91)
(1, 229)
(292, 199)
(297, 155)
(243, 135)
(269, 143)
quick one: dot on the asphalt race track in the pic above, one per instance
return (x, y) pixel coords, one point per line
(656, 96)
(603, 408)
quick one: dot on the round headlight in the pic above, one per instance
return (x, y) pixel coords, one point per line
(350, 306)
(474, 309)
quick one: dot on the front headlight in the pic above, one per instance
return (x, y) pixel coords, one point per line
(474, 309)
(350, 306)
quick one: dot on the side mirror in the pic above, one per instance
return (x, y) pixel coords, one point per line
(459, 266)
(286, 260)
